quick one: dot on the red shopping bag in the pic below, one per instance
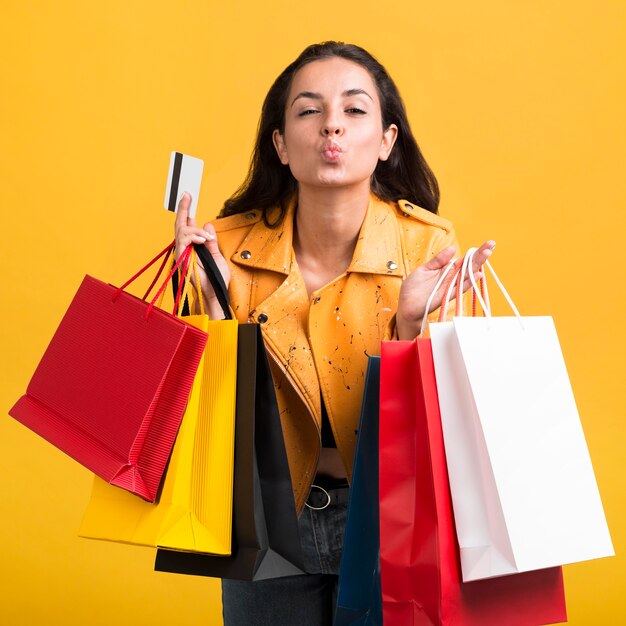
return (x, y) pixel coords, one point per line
(112, 386)
(420, 568)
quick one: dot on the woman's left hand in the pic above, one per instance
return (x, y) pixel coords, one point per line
(419, 284)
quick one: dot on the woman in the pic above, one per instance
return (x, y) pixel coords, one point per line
(331, 244)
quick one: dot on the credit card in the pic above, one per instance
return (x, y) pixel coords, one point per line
(185, 175)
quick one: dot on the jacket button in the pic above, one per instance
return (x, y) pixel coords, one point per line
(317, 299)
(262, 318)
(249, 216)
(392, 266)
(405, 214)
(246, 254)
(408, 207)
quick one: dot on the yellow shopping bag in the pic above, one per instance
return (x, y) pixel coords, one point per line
(194, 510)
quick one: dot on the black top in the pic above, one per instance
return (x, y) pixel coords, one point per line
(328, 439)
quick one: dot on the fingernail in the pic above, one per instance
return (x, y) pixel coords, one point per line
(494, 246)
(202, 239)
(209, 236)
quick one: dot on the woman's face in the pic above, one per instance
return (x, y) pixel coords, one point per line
(333, 125)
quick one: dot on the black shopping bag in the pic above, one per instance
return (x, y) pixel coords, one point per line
(266, 542)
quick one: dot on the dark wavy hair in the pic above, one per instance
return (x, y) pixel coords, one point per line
(269, 183)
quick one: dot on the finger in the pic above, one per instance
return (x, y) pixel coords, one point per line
(192, 235)
(211, 239)
(440, 260)
(182, 214)
(188, 236)
(482, 254)
(467, 283)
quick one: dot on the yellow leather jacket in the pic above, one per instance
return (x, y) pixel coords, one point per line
(320, 344)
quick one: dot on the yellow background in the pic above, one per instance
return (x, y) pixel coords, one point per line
(518, 107)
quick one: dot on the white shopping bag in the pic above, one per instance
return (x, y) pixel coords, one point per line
(523, 488)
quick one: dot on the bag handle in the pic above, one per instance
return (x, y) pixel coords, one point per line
(182, 259)
(158, 274)
(505, 293)
(467, 262)
(446, 271)
(183, 274)
(456, 280)
(448, 289)
(215, 278)
(188, 286)
(196, 275)
(165, 252)
(180, 272)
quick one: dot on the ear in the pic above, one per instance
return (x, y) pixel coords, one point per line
(389, 139)
(281, 148)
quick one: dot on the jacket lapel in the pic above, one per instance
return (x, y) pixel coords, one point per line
(284, 314)
(379, 242)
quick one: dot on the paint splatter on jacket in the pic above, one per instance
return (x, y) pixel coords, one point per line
(320, 344)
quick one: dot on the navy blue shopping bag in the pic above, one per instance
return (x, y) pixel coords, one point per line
(359, 597)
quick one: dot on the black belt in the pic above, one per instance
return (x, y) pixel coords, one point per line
(326, 491)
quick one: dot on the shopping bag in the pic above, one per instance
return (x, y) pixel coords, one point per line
(112, 386)
(266, 541)
(194, 509)
(523, 487)
(359, 595)
(421, 574)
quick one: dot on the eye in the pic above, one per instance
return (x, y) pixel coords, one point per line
(307, 112)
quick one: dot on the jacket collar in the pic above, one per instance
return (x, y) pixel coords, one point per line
(376, 252)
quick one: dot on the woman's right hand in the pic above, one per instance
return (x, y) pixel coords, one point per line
(187, 233)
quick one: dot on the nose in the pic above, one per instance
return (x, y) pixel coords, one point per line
(331, 125)
(330, 130)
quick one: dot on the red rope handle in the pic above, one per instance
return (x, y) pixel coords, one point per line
(144, 268)
(181, 281)
(459, 294)
(181, 259)
(484, 292)
(158, 274)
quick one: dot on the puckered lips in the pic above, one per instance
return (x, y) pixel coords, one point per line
(331, 151)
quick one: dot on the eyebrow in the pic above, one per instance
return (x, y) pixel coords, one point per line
(318, 96)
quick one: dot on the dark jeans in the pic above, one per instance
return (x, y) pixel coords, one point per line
(307, 600)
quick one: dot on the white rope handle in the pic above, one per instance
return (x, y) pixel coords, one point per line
(467, 259)
(483, 291)
(460, 276)
(459, 279)
(445, 301)
(505, 293)
(446, 271)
